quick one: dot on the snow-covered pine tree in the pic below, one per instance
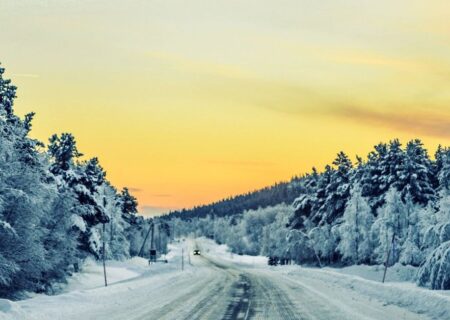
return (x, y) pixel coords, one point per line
(373, 187)
(415, 175)
(64, 152)
(82, 180)
(306, 202)
(128, 204)
(337, 190)
(309, 209)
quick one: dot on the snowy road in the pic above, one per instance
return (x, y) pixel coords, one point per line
(260, 293)
(211, 287)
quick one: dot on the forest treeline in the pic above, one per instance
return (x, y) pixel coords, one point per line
(281, 192)
(55, 209)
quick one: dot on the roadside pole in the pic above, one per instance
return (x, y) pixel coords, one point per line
(182, 259)
(104, 255)
(152, 239)
(173, 230)
(145, 240)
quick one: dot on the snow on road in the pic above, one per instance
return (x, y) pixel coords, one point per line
(348, 293)
(219, 285)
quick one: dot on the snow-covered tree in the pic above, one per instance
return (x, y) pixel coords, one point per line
(389, 227)
(128, 202)
(411, 254)
(82, 180)
(415, 174)
(275, 235)
(336, 191)
(434, 273)
(35, 245)
(355, 240)
(323, 241)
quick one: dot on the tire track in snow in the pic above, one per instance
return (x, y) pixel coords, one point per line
(271, 302)
(255, 296)
(240, 305)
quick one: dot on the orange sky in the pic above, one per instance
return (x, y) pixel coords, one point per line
(190, 102)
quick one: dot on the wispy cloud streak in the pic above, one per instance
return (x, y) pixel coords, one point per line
(431, 124)
(241, 163)
(25, 75)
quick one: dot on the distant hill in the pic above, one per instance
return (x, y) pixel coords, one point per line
(282, 192)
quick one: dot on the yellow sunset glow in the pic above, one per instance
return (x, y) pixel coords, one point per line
(187, 102)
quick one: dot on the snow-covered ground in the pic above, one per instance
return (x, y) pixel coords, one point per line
(221, 285)
(85, 290)
(212, 249)
(91, 275)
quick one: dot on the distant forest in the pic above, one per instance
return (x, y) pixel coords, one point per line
(282, 192)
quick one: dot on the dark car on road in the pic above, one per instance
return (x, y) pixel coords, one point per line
(196, 252)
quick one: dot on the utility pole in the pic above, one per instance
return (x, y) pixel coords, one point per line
(103, 249)
(182, 259)
(214, 225)
(145, 240)
(173, 230)
(152, 246)
(111, 232)
(152, 241)
(159, 238)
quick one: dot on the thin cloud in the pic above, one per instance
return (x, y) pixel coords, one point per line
(431, 124)
(190, 65)
(25, 75)
(162, 195)
(242, 163)
(375, 59)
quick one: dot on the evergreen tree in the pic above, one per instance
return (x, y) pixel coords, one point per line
(7, 96)
(82, 180)
(415, 174)
(128, 202)
(337, 190)
(63, 150)
(372, 185)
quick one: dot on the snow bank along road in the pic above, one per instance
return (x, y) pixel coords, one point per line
(213, 288)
